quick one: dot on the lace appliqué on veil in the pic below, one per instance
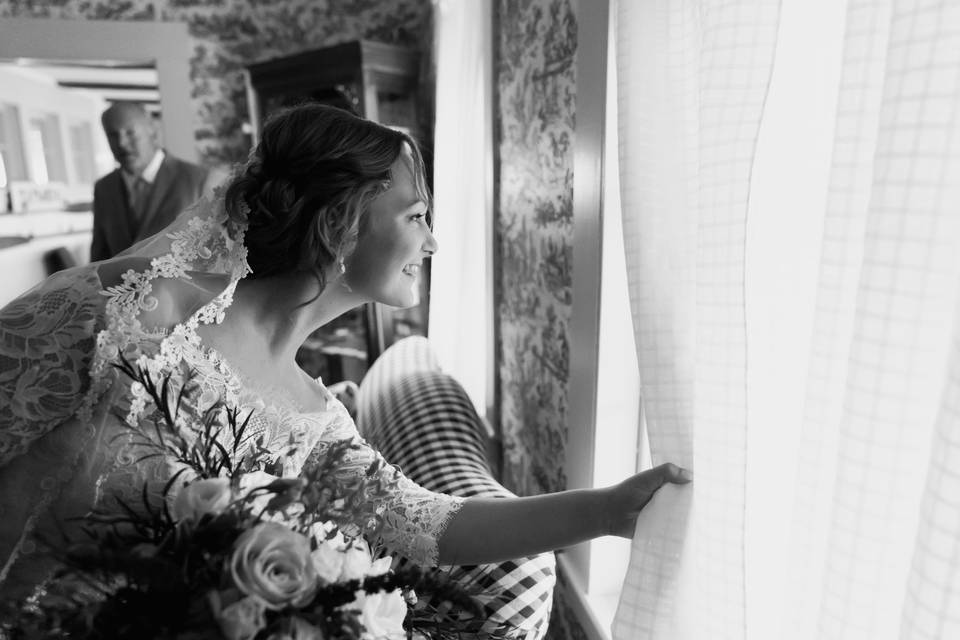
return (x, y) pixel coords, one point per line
(45, 352)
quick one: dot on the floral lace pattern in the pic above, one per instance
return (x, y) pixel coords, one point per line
(414, 518)
(46, 348)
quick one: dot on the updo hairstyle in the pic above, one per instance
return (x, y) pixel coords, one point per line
(308, 184)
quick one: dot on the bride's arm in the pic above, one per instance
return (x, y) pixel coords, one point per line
(490, 530)
(433, 528)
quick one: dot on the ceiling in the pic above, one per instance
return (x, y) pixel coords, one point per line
(112, 80)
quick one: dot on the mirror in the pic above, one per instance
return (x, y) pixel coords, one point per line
(57, 186)
(164, 47)
(50, 131)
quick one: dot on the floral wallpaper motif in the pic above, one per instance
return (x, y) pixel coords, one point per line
(229, 34)
(536, 83)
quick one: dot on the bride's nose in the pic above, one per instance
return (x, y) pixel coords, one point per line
(430, 245)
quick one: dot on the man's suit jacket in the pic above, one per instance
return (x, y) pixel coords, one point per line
(178, 184)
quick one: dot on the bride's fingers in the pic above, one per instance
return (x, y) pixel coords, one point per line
(673, 474)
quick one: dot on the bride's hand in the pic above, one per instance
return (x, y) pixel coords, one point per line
(626, 499)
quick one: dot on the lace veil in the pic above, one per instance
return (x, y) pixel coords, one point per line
(62, 402)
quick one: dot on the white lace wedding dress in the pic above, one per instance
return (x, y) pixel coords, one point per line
(63, 446)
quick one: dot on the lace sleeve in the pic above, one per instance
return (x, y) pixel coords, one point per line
(47, 342)
(414, 518)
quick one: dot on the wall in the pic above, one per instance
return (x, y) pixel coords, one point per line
(535, 48)
(228, 34)
(534, 227)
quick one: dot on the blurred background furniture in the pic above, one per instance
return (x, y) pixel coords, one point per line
(34, 245)
(422, 420)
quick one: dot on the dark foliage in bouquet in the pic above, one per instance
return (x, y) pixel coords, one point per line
(237, 553)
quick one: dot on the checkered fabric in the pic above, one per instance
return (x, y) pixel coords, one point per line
(423, 421)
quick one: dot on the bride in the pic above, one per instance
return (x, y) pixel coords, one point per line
(330, 211)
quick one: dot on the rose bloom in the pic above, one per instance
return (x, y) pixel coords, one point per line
(382, 614)
(358, 564)
(337, 561)
(328, 559)
(201, 497)
(273, 563)
(241, 620)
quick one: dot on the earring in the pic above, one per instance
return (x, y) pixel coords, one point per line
(342, 268)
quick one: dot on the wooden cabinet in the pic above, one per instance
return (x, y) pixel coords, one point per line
(380, 82)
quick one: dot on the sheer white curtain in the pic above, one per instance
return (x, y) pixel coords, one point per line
(843, 404)
(692, 78)
(461, 289)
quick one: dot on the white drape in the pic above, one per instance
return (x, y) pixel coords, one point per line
(460, 323)
(870, 482)
(692, 81)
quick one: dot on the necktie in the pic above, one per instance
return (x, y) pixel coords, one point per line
(138, 197)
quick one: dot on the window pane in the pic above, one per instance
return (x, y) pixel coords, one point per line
(11, 142)
(81, 147)
(44, 139)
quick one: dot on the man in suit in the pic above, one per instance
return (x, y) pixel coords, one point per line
(147, 191)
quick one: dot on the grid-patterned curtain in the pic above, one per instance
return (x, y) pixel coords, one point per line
(692, 77)
(879, 499)
(873, 545)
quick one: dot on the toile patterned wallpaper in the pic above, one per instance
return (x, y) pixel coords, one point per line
(229, 34)
(536, 85)
(535, 49)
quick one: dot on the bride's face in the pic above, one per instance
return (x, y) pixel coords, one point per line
(394, 239)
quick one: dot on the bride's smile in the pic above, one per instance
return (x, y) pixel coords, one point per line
(395, 238)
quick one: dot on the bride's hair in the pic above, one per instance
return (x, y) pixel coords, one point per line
(306, 186)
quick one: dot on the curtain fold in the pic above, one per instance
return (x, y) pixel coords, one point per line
(886, 312)
(692, 79)
(845, 224)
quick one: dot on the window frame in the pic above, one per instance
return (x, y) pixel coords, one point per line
(581, 564)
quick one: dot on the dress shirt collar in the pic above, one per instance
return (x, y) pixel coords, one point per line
(149, 174)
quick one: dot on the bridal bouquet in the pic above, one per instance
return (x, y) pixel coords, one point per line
(230, 550)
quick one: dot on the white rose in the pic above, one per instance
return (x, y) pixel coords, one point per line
(273, 563)
(356, 562)
(380, 567)
(202, 497)
(241, 620)
(382, 615)
(328, 560)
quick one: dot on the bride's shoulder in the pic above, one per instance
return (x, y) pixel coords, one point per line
(159, 302)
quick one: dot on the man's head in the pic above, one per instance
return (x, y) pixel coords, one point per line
(131, 134)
